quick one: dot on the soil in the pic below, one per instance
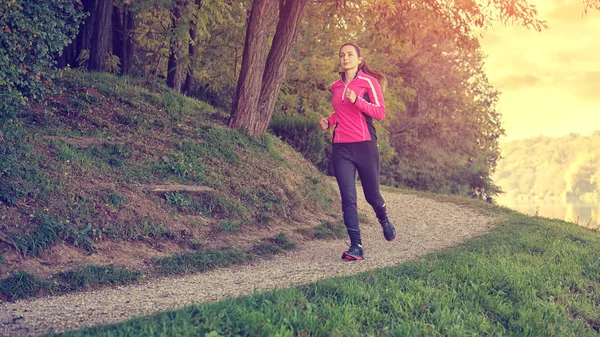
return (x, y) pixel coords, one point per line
(423, 226)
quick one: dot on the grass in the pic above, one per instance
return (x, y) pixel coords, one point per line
(530, 277)
(270, 246)
(326, 230)
(46, 235)
(23, 285)
(199, 261)
(202, 261)
(75, 169)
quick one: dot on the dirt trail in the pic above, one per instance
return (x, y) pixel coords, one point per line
(423, 226)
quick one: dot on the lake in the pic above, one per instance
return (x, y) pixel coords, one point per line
(579, 212)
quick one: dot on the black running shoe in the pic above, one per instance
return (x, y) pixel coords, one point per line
(354, 253)
(389, 232)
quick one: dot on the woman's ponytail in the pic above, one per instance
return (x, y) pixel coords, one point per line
(377, 74)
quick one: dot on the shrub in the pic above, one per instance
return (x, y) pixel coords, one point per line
(303, 134)
(30, 46)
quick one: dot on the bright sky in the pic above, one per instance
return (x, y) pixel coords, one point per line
(550, 80)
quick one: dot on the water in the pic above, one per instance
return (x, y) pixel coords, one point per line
(582, 213)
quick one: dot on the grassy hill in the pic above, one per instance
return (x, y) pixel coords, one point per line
(116, 176)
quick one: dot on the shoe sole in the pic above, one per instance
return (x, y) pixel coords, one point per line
(348, 257)
(392, 239)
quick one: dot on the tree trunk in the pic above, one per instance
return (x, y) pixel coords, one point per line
(192, 51)
(100, 43)
(128, 47)
(82, 41)
(245, 104)
(174, 73)
(290, 17)
(117, 33)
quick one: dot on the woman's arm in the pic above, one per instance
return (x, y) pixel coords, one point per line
(376, 108)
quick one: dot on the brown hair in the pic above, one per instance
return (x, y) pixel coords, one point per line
(365, 68)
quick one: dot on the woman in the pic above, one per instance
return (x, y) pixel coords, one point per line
(356, 99)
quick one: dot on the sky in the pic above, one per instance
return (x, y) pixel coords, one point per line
(549, 80)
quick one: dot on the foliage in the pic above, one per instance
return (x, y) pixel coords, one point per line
(446, 137)
(155, 31)
(33, 32)
(303, 134)
(553, 168)
(442, 129)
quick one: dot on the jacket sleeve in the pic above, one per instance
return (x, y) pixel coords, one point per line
(332, 120)
(376, 108)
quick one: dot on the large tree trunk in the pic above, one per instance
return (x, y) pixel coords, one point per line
(100, 43)
(192, 52)
(290, 17)
(260, 78)
(245, 103)
(174, 73)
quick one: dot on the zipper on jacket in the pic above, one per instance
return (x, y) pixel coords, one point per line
(346, 86)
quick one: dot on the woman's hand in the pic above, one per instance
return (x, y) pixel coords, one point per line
(351, 95)
(324, 124)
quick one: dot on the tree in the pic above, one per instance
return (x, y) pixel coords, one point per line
(460, 16)
(592, 4)
(174, 67)
(100, 43)
(123, 27)
(245, 104)
(257, 88)
(82, 41)
(192, 50)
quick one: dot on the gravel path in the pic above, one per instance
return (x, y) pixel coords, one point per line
(423, 226)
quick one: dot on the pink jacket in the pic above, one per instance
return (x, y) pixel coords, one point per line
(354, 122)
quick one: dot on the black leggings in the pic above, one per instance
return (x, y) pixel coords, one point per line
(363, 157)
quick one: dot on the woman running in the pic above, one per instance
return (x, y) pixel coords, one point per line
(356, 99)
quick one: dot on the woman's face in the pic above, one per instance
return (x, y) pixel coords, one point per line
(349, 58)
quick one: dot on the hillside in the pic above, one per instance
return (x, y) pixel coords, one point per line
(121, 173)
(551, 168)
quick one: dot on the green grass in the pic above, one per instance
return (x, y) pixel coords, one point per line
(199, 261)
(270, 246)
(46, 235)
(23, 285)
(530, 277)
(326, 230)
(202, 261)
(227, 226)
(75, 169)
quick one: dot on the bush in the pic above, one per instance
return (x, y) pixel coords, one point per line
(304, 135)
(33, 33)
